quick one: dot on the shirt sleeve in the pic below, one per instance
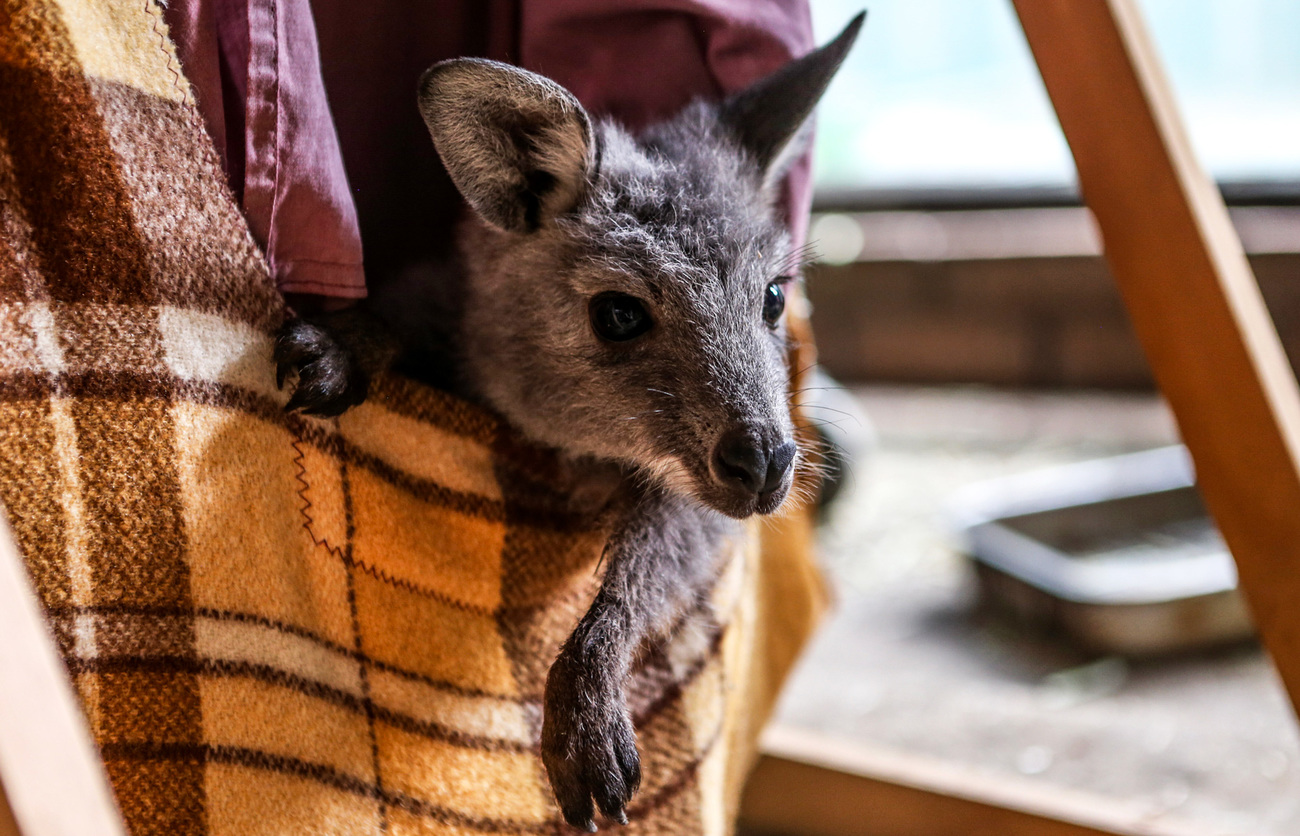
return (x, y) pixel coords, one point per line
(255, 68)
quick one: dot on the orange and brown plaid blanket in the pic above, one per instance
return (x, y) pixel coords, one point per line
(279, 625)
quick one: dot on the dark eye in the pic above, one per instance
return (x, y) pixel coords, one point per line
(773, 303)
(618, 317)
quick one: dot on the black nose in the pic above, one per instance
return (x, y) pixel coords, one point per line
(758, 464)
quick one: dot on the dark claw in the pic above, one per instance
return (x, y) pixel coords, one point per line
(329, 379)
(629, 764)
(296, 401)
(581, 815)
(609, 786)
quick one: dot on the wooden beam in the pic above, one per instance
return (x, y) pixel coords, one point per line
(811, 785)
(50, 773)
(8, 827)
(1189, 291)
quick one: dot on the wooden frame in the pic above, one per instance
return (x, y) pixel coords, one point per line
(53, 781)
(1214, 352)
(809, 784)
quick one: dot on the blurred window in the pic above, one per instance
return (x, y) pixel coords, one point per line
(944, 94)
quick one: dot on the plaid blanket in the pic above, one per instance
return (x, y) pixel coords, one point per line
(276, 624)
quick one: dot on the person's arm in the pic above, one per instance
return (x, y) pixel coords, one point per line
(255, 71)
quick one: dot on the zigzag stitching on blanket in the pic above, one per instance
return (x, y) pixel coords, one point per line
(424, 591)
(118, 385)
(308, 521)
(410, 586)
(373, 571)
(151, 9)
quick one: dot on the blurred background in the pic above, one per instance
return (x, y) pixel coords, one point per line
(943, 94)
(1075, 628)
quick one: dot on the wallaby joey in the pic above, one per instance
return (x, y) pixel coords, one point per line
(619, 299)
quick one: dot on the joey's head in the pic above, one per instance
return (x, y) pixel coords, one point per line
(626, 293)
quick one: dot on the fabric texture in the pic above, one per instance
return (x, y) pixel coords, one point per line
(279, 625)
(255, 72)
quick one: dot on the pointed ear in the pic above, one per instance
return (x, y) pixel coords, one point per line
(769, 114)
(517, 145)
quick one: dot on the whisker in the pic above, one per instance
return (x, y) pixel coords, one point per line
(799, 258)
(642, 414)
(831, 409)
(799, 372)
(823, 421)
(818, 389)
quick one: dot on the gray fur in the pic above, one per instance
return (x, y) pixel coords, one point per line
(677, 219)
(695, 413)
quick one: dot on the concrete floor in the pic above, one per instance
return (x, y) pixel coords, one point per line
(907, 661)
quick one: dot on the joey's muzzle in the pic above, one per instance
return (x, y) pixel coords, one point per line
(754, 465)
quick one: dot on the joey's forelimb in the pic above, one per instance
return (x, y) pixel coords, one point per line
(659, 560)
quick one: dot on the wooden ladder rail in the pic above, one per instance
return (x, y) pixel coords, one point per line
(1190, 294)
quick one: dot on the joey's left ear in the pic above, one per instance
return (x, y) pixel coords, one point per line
(517, 145)
(769, 115)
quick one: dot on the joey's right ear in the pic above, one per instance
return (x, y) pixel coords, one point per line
(517, 145)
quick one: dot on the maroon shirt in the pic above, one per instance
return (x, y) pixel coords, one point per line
(255, 69)
(255, 66)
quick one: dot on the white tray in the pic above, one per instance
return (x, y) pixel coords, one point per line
(1117, 553)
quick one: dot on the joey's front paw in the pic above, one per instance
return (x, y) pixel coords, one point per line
(588, 745)
(329, 379)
